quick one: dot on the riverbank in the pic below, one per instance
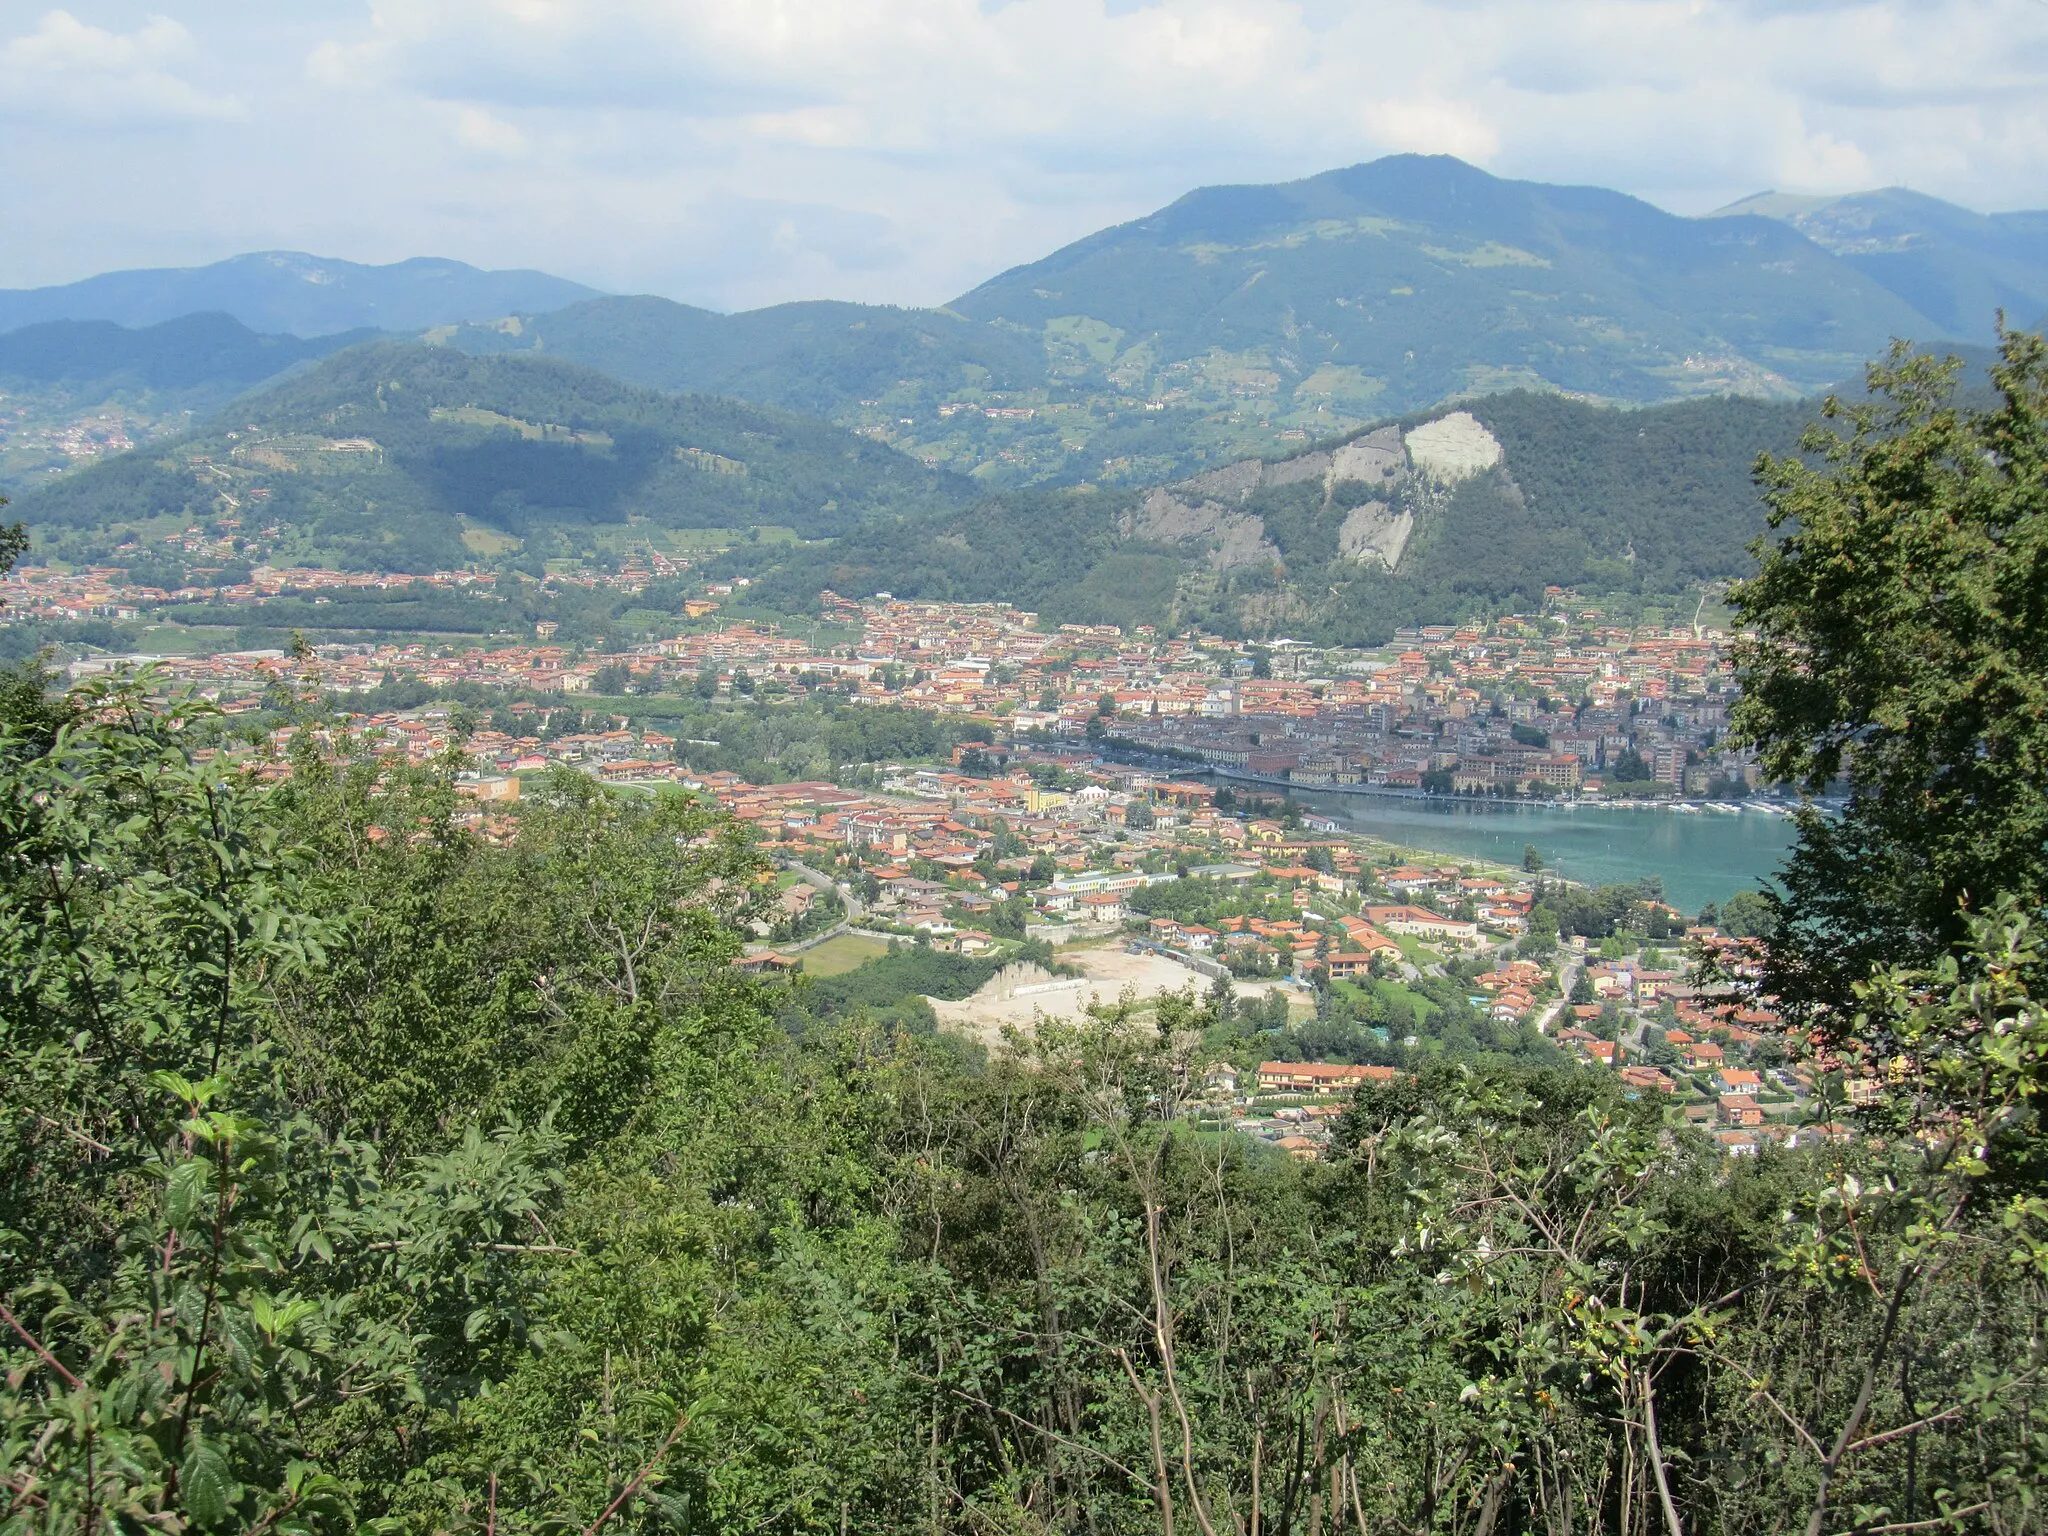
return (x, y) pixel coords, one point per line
(1700, 858)
(1394, 792)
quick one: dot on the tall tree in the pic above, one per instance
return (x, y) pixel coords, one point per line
(1900, 624)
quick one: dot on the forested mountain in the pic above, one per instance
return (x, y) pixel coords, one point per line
(1423, 519)
(386, 454)
(1414, 277)
(203, 353)
(293, 292)
(1953, 265)
(823, 358)
(1239, 320)
(1236, 321)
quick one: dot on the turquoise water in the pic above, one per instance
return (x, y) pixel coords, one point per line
(1702, 858)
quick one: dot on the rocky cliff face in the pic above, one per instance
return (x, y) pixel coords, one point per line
(1375, 488)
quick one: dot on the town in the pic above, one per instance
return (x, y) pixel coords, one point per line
(1546, 706)
(1120, 799)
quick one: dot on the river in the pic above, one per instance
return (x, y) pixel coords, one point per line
(1701, 858)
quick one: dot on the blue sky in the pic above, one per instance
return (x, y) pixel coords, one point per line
(742, 152)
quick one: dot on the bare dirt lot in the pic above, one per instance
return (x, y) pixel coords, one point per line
(1106, 973)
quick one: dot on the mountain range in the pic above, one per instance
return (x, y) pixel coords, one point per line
(1241, 319)
(1237, 320)
(416, 457)
(1956, 267)
(1158, 422)
(295, 294)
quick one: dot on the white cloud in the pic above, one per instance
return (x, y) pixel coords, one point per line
(70, 70)
(743, 151)
(482, 130)
(1433, 126)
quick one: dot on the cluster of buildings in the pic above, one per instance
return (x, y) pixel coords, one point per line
(26, 434)
(104, 592)
(218, 550)
(1526, 705)
(1552, 705)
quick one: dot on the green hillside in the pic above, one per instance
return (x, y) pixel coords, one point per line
(1404, 281)
(385, 456)
(95, 378)
(1360, 535)
(1956, 266)
(1247, 320)
(823, 358)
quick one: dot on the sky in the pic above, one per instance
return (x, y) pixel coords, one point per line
(743, 152)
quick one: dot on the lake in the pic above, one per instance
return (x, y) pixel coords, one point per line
(1702, 858)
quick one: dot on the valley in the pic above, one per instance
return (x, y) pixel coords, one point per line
(1361, 854)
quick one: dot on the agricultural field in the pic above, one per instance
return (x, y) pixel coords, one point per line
(837, 956)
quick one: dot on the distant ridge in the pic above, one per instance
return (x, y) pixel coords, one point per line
(1246, 319)
(298, 294)
(1416, 277)
(212, 350)
(1953, 265)
(1236, 321)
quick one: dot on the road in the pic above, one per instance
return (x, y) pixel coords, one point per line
(1566, 980)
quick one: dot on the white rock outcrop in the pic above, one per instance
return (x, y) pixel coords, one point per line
(1453, 448)
(1375, 532)
(1376, 459)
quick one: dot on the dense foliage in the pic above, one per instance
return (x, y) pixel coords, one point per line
(1901, 627)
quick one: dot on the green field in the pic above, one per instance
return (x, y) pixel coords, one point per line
(835, 957)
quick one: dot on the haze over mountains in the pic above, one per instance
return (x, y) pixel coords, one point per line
(198, 357)
(1236, 320)
(1956, 267)
(1239, 323)
(292, 293)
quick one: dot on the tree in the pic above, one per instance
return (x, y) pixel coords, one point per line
(14, 543)
(1532, 860)
(1747, 915)
(1628, 767)
(1900, 626)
